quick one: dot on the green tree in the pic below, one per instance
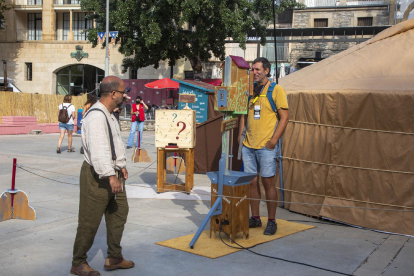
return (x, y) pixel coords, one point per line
(3, 7)
(151, 31)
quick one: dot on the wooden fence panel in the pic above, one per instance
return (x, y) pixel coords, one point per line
(43, 106)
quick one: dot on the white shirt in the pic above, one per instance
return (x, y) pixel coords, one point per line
(95, 142)
(70, 109)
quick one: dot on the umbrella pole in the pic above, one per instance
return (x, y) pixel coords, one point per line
(165, 103)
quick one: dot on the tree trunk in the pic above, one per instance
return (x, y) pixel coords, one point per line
(197, 68)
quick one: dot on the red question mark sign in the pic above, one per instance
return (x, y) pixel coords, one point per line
(178, 124)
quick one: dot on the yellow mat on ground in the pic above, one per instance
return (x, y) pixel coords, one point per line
(214, 248)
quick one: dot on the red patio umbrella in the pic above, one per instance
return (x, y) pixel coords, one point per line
(164, 83)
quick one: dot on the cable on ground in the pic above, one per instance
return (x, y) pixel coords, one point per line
(271, 257)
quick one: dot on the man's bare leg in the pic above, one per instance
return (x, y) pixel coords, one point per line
(271, 194)
(255, 193)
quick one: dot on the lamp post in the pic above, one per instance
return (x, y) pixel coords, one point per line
(5, 74)
(106, 40)
(274, 36)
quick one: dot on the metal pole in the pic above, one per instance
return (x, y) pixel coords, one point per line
(13, 182)
(5, 75)
(274, 36)
(107, 40)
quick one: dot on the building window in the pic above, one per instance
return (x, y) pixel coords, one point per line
(34, 2)
(364, 21)
(34, 26)
(67, 2)
(80, 25)
(29, 71)
(320, 23)
(2, 24)
(133, 73)
(66, 25)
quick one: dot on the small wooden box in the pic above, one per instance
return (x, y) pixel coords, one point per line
(235, 210)
(175, 127)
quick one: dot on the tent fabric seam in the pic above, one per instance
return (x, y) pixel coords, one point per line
(344, 166)
(346, 199)
(353, 128)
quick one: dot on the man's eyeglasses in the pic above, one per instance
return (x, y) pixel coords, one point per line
(122, 92)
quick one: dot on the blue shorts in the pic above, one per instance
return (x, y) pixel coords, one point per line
(68, 127)
(260, 160)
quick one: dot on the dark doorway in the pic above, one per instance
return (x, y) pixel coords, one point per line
(77, 79)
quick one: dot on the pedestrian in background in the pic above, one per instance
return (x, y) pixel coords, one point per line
(90, 101)
(68, 125)
(138, 118)
(102, 182)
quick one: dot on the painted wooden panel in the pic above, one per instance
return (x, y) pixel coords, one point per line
(201, 102)
(175, 127)
(239, 85)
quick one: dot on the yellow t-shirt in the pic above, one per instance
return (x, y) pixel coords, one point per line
(260, 131)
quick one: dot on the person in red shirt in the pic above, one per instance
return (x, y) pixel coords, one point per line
(138, 118)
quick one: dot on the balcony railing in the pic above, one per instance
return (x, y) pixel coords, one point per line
(364, 2)
(321, 3)
(67, 2)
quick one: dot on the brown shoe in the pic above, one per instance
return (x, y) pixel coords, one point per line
(84, 270)
(111, 264)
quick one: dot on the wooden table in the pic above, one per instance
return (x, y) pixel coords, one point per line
(162, 185)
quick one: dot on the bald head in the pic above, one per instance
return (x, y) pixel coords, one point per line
(109, 84)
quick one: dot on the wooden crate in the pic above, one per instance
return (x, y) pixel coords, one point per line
(169, 128)
(235, 210)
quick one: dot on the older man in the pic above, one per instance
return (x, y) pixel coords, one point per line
(259, 147)
(102, 181)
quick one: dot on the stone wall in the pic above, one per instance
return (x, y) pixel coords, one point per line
(344, 17)
(125, 124)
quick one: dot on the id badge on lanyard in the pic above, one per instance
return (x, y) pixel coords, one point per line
(257, 108)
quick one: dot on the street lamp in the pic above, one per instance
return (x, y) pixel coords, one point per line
(5, 74)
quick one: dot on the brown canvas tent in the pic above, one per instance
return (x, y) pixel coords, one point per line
(350, 139)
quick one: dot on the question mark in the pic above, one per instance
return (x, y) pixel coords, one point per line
(178, 124)
(175, 116)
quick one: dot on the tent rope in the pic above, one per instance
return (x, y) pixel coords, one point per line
(343, 166)
(249, 198)
(353, 128)
(346, 199)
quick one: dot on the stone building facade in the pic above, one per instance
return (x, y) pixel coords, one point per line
(45, 46)
(334, 14)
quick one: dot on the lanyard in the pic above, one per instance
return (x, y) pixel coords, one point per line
(260, 95)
